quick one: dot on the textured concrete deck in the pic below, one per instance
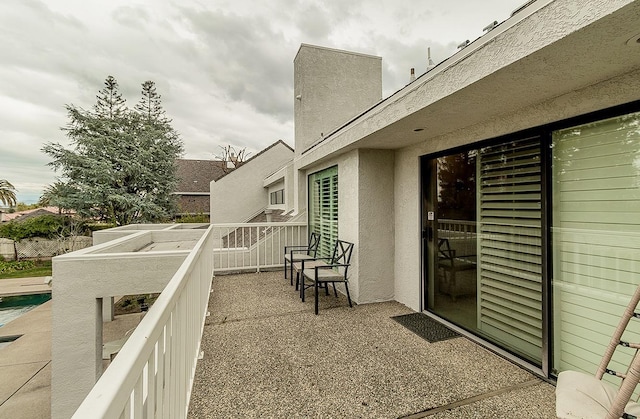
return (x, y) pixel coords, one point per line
(267, 355)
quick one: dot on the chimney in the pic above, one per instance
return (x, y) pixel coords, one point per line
(413, 75)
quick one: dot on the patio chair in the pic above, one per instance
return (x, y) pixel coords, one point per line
(580, 395)
(318, 274)
(294, 254)
(451, 264)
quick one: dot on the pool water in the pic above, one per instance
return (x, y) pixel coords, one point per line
(15, 306)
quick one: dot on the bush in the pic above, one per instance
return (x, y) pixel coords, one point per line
(193, 218)
(100, 226)
(48, 226)
(13, 266)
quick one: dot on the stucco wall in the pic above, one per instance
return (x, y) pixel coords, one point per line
(241, 194)
(375, 225)
(331, 87)
(407, 285)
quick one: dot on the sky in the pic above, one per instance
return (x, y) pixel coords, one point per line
(224, 68)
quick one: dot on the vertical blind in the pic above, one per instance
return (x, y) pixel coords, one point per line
(596, 238)
(510, 246)
(323, 208)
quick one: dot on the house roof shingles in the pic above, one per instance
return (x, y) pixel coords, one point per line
(196, 175)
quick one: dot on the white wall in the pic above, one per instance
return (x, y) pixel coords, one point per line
(332, 86)
(241, 194)
(376, 225)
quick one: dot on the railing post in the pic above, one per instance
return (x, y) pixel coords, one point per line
(258, 249)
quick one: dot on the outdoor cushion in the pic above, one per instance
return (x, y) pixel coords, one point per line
(298, 257)
(580, 395)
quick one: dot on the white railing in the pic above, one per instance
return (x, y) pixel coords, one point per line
(462, 235)
(456, 229)
(254, 246)
(152, 375)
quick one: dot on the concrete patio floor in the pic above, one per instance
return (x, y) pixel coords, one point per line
(267, 355)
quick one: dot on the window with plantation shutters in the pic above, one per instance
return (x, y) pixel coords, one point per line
(323, 208)
(510, 246)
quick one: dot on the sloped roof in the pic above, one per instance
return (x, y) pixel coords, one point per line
(22, 215)
(196, 175)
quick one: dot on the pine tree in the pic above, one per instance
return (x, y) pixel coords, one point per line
(122, 167)
(150, 105)
(110, 102)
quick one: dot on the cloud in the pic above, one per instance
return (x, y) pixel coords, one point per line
(224, 68)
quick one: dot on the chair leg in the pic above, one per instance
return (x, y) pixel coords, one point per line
(346, 287)
(291, 271)
(301, 286)
(315, 289)
(285, 268)
(335, 292)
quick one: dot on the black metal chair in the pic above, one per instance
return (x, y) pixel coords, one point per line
(319, 274)
(294, 254)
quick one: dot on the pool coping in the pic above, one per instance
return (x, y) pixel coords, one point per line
(11, 287)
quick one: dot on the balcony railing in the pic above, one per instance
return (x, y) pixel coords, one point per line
(152, 375)
(254, 246)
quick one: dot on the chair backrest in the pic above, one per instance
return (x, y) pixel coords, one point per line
(314, 242)
(342, 254)
(444, 249)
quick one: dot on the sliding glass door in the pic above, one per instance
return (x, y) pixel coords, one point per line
(482, 234)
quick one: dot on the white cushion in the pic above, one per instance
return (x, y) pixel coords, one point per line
(298, 257)
(580, 395)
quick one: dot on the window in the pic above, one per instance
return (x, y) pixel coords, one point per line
(323, 208)
(596, 238)
(277, 197)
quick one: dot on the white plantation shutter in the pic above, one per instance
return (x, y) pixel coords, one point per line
(510, 246)
(596, 238)
(323, 212)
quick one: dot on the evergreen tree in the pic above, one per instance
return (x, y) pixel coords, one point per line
(110, 103)
(122, 166)
(150, 105)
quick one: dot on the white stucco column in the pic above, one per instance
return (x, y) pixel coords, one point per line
(76, 344)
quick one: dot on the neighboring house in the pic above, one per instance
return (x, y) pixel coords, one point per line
(194, 177)
(498, 192)
(252, 188)
(23, 215)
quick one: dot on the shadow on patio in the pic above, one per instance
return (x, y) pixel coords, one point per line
(267, 355)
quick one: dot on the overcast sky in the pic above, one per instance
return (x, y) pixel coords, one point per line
(224, 68)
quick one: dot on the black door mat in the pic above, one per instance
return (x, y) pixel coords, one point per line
(425, 327)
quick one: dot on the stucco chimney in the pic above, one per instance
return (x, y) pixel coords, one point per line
(333, 86)
(412, 77)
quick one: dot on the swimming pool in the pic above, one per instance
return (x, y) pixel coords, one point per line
(15, 306)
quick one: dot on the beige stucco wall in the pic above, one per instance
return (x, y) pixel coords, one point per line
(375, 225)
(241, 194)
(330, 87)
